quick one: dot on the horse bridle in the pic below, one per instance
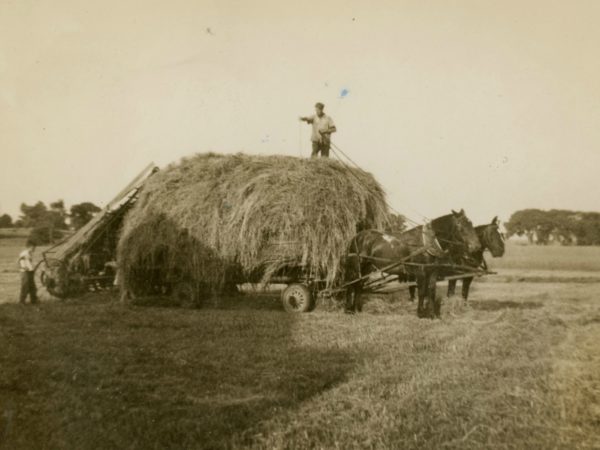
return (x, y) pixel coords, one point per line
(490, 229)
(454, 241)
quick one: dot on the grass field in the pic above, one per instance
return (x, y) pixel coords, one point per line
(556, 258)
(518, 368)
(14, 233)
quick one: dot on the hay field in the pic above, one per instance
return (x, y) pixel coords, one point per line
(520, 368)
(555, 258)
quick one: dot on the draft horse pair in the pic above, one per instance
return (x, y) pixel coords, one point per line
(422, 254)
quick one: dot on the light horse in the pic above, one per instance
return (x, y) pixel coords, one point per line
(418, 249)
(491, 239)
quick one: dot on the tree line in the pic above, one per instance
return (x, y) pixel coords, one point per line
(555, 226)
(50, 223)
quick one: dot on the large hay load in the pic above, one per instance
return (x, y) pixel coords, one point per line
(212, 220)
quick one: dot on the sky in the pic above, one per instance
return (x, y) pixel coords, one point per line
(490, 106)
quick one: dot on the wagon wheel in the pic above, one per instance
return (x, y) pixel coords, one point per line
(296, 298)
(185, 294)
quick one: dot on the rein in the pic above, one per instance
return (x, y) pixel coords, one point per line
(453, 241)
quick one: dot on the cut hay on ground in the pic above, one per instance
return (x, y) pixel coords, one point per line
(212, 213)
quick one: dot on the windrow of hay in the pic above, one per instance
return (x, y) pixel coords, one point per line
(212, 215)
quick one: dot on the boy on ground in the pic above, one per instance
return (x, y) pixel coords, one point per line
(26, 266)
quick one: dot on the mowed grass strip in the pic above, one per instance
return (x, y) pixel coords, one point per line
(463, 383)
(103, 375)
(547, 257)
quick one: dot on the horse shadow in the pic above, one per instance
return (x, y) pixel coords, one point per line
(495, 305)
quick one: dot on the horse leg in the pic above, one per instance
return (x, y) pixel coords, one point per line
(350, 300)
(430, 283)
(353, 271)
(358, 303)
(421, 286)
(466, 285)
(451, 288)
(436, 304)
(412, 290)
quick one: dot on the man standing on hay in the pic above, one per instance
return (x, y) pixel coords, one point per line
(322, 127)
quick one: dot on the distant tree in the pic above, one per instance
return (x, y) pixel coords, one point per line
(82, 213)
(556, 225)
(536, 224)
(58, 214)
(396, 223)
(32, 215)
(562, 225)
(5, 221)
(587, 228)
(58, 207)
(47, 223)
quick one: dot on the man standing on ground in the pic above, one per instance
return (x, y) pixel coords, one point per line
(27, 279)
(322, 127)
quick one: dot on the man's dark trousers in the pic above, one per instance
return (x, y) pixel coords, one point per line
(28, 287)
(322, 147)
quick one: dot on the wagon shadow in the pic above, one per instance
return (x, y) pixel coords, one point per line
(243, 301)
(248, 368)
(164, 378)
(495, 305)
(258, 301)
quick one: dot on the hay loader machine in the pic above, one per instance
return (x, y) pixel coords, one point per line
(86, 260)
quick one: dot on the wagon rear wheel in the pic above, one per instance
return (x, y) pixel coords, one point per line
(296, 298)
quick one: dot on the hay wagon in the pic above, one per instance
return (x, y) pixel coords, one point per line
(86, 260)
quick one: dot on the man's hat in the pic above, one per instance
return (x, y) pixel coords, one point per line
(319, 105)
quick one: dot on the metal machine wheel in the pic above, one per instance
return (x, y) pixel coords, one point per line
(296, 298)
(52, 274)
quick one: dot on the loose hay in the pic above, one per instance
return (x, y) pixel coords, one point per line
(213, 217)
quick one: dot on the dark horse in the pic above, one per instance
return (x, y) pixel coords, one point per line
(491, 239)
(458, 239)
(420, 248)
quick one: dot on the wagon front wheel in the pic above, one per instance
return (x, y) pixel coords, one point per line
(296, 298)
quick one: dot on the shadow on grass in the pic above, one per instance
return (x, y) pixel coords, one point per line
(81, 375)
(495, 305)
(257, 302)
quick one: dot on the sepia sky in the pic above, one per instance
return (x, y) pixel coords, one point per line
(488, 105)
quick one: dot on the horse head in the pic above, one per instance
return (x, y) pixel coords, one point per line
(464, 232)
(491, 237)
